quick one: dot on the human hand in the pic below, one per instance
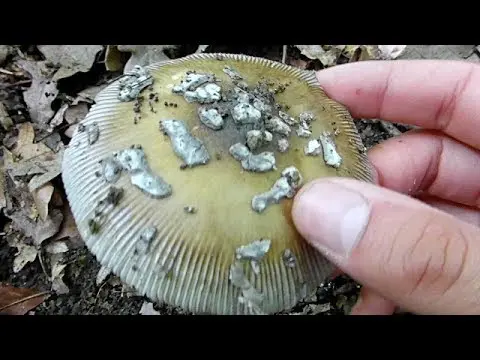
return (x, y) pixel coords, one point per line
(412, 240)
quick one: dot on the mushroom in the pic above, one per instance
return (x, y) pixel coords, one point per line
(238, 252)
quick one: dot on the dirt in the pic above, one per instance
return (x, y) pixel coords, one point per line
(84, 295)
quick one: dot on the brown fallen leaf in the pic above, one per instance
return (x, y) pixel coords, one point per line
(71, 130)
(57, 274)
(36, 159)
(57, 247)
(25, 253)
(76, 113)
(52, 170)
(41, 93)
(69, 231)
(26, 135)
(58, 118)
(48, 228)
(144, 54)
(148, 309)
(57, 199)
(26, 149)
(19, 301)
(328, 57)
(115, 60)
(38, 230)
(71, 59)
(311, 51)
(42, 197)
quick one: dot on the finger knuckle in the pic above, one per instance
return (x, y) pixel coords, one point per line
(435, 259)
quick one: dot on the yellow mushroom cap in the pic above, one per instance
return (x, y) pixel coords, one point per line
(201, 235)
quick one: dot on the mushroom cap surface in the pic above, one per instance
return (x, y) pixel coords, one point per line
(193, 240)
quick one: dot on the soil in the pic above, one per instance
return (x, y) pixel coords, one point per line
(112, 297)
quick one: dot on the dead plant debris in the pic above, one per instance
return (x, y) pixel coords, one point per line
(19, 301)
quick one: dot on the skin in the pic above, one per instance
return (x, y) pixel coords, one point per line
(419, 250)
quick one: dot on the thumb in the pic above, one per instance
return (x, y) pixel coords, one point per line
(420, 258)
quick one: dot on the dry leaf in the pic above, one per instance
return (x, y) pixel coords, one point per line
(76, 113)
(114, 59)
(42, 197)
(52, 169)
(19, 301)
(26, 135)
(298, 63)
(42, 91)
(58, 118)
(327, 57)
(5, 120)
(37, 159)
(57, 273)
(38, 230)
(144, 54)
(28, 167)
(46, 229)
(390, 52)
(70, 58)
(23, 222)
(25, 253)
(147, 309)
(57, 247)
(313, 52)
(69, 231)
(70, 131)
(7, 157)
(361, 52)
(202, 48)
(57, 199)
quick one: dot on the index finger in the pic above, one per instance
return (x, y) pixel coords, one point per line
(432, 94)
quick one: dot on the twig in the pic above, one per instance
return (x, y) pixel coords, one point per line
(40, 258)
(61, 127)
(284, 55)
(100, 289)
(21, 82)
(20, 53)
(24, 299)
(3, 71)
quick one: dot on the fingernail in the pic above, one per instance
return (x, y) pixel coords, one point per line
(331, 216)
